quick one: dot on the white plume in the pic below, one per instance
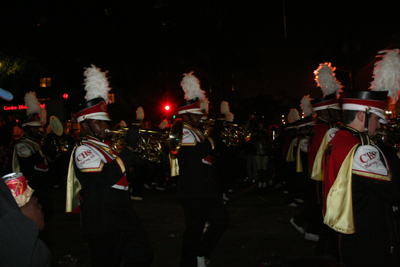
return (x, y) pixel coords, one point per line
(191, 87)
(293, 115)
(387, 73)
(224, 107)
(163, 124)
(306, 106)
(43, 116)
(96, 84)
(32, 104)
(325, 78)
(229, 117)
(204, 105)
(139, 114)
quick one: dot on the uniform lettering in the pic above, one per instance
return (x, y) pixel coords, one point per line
(364, 158)
(21, 148)
(84, 155)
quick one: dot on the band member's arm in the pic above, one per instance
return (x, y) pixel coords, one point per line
(28, 157)
(89, 162)
(49, 149)
(196, 149)
(369, 169)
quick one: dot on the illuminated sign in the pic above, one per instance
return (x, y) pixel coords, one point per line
(20, 107)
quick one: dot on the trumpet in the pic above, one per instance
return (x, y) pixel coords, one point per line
(390, 136)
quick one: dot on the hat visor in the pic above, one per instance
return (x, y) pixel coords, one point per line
(102, 116)
(32, 123)
(193, 111)
(382, 118)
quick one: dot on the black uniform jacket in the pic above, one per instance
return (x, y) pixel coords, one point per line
(105, 199)
(195, 171)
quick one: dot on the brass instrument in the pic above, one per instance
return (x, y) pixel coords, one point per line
(118, 138)
(232, 134)
(149, 146)
(175, 137)
(389, 134)
(56, 127)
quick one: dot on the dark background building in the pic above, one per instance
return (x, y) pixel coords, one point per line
(257, 55)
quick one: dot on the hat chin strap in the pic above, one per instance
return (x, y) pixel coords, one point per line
(367, 116)
(90, 127)
(190, 118)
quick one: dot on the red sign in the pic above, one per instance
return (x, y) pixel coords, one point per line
(20, 107)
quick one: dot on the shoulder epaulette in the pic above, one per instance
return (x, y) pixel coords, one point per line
(363, 136)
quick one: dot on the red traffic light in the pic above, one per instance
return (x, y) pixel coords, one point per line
(65, 96)
(167, 107)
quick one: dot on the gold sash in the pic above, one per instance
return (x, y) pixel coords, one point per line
(299, 165)
(73, 187)
(339, 204)
(290, 156)
(317, 167)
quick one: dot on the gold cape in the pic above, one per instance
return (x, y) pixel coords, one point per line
(290, 154)
(73, 187)
(317, 167)
(299, 165)
(339, 203)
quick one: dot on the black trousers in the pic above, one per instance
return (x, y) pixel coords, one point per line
(108, 249)
(312, 212)
(196, 243)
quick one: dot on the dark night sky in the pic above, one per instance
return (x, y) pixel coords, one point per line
(147, 45)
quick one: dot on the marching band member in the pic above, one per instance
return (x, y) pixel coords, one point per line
(289, 148)
(310, 212)
(225, 157)
(31, 157)
(328, 114)
(360, 186)
(139, 171)
(197, 190)
(110, 224)
(263, 147)
(21, 218)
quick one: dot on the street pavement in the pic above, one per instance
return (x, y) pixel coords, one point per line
(259, 232)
